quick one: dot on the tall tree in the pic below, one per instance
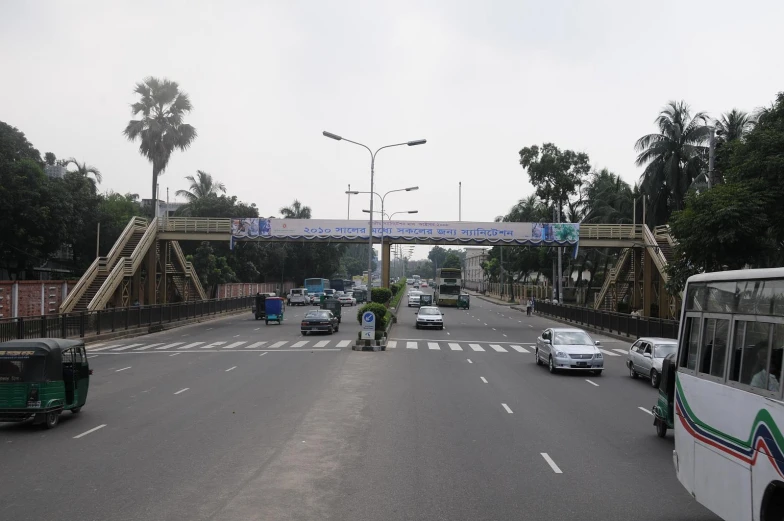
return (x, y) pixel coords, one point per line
(15, 147)
(609, 199)
(556, 174)
(202, 185)
(50, 158)
(437, 256)
(161, 129)
(673, 158)
(295, 211)
(83, 169)
(734, 124)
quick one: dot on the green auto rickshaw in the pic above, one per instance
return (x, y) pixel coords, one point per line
(464, 301)
(334, 305)
(663, 411)
(361, 295)
(41, 378)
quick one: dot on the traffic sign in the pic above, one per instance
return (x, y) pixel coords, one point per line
(368, 325)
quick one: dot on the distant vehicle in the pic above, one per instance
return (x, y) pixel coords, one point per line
(298, 297)
(347, 300)
(258, 309)
(329, 293)
(569, 348)
(447, 288)
(646, 356)
(429, 316)
(337, 284)
(319, 320)
(409, 282)
(316, 286)
(423, 284)
(413, 298)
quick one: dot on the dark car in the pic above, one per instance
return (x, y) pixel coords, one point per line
(319, 320)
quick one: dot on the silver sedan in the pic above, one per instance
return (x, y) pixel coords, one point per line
(568, 348)
(646, 356)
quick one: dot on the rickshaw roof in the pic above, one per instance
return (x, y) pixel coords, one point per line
(47, 345)
(274, 298)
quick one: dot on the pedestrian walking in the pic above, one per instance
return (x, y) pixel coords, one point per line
(529, 307)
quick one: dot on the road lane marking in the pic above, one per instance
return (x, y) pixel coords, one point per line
(257, 329)
(264, 353)
(94, 356)
(506, 408)
(235, 336)
(592, 383)
(552, 464)
(145, 348)
(476, 347)
(485, 323)
(392, 344)
(609, 353)
(104, 348)
(519, 349)
(483, 379)
(498, 348)
(175, 354)
(214, 344)
(493, 328)
(643, 409)
(621, 351)
(505, 336)
(169, 346)
(123, 369)
(411, 345)
(455, 347)
(344, 343)
(322, 343)
(433, 345)
(474, 340)
(125, 348)
(85, 433)
(230, 369)
(301, 343)
(211, 328)
(277, 345)
(232, 346)
(188, 346)
(95, 345)
(182, 390)
(255, 345)
(469, 361)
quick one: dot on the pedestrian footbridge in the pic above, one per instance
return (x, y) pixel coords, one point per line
(148, 264)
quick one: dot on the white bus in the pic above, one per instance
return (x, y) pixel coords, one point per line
(448, 286)
(728, 410)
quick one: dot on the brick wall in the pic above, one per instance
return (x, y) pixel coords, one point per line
(242, 289)
(31, 298)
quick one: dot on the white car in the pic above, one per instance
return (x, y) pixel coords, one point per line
(646, 356)
(569, 348)
(413, 298)
(347, 300)
(429, 316)
(298, 297)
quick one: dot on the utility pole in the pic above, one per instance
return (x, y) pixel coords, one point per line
(501, 265)
(460, 201)
(711, 156)
(560, 265)
(349, 202)
(98, 242)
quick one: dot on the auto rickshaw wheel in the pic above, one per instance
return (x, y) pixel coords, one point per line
(337, 328)
(661, 428)
(266, 322)
(52, 419)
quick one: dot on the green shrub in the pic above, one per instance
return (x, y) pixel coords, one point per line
(394, 288)
(379, 310)
(380, 295)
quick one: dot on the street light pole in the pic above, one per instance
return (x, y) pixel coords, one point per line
(460, 201)
(711, 156)
(372, 176)
(348, 194)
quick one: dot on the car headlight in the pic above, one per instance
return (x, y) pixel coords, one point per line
(560, 354)
(598, 354)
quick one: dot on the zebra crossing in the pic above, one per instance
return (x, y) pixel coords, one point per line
(406, 345)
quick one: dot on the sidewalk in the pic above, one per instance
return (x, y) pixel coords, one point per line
(494, 300)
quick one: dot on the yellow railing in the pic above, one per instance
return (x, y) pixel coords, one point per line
(106, 290)
(147, 240)
(611, 231)
(136, 223)
(194, 225)
(656, 254)
(81, 286)
(612, 278)
(188, 269)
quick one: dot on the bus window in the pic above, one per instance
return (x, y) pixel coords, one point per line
(689, 351)
(737, 350)
(756, 355)
(721, 297)
(714, 346)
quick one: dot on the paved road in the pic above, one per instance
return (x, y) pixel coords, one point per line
(235, 420)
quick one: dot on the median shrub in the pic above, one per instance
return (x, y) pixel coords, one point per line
(379, 310)
(380, 295)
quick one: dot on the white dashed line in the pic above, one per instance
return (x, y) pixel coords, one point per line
(506, 408)
(182, 390)
(552, 464)
(643, 409)
(85, 433)
(483, 379)
(231, 369)
(592, 383)
(175, 354)
(476, 347)
(123, 369)
(469, 361)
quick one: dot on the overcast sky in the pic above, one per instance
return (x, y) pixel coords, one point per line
(478, 80)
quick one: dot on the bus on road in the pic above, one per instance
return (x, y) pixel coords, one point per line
(728, 404)
(316, 286)
(448, 285)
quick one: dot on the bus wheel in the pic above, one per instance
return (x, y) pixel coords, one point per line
(661, 428)
(52, 419)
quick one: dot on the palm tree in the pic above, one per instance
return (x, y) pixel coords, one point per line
(161, 129)
(203, 185)
(295, 211)
(609, 199)
(734, 125)
(84, 169)
(674, 157)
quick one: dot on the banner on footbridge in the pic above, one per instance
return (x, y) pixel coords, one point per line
(453, 232)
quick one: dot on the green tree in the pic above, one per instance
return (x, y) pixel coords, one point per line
(81, 214)
(295, 211)
(211, 268)
(452, 261)
(83, 169)
(115, 211)
(437, 256)
(50, 158)
(15, 147)
(734, 125)
(609, 199)
(202, 185)
(161, 129)
(673, 158)
(556, 174)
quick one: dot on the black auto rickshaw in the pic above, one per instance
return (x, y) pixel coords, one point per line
(333, 305)
(663, 411)
(425, 300)
(464, 301)
(41, 378)
(259, 308)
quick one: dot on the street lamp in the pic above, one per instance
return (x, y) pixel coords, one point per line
(389, 217)
(372, 175)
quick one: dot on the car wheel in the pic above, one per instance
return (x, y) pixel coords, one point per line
(632, 372)
(598, 372)
(52, 419)
(330, 330)
(304, 333)
(538, 360)
(337, 328)
(551, 365)
(417, 326)
(661, 428)
(655, 378)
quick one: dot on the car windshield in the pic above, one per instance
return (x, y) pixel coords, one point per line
(563, 338)
(662, 350)
(429, 311)
(317, 314)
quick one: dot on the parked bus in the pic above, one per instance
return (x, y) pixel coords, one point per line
(316, 286)
(448, 284)
(728, 408)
